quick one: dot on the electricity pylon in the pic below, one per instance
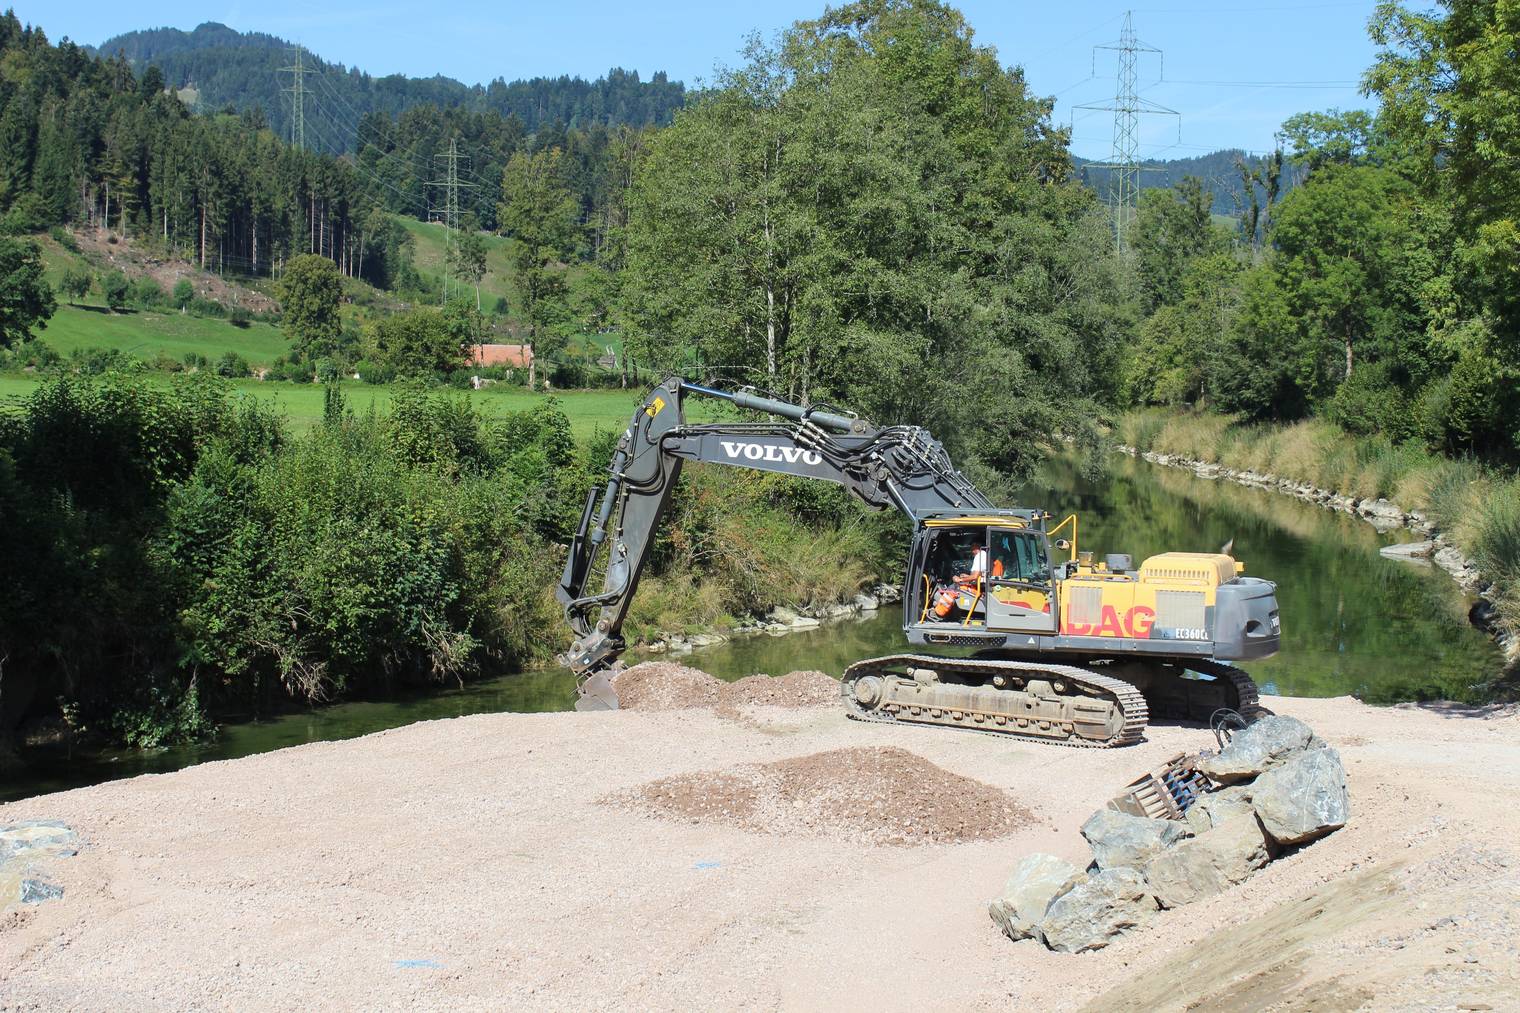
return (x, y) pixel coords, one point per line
(1127, 107)
(451, 187)
(297, 90)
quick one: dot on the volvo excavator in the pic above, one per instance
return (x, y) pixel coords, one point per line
(1067, 650)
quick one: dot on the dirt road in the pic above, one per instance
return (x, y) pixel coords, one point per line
(495, 862)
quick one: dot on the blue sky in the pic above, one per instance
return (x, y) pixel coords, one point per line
(1254, 64)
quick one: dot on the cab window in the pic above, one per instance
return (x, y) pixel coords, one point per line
(1019, 555)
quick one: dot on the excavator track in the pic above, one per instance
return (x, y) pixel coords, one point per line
(1005, 697)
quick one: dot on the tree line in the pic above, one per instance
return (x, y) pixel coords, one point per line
(1382, 292)
(84, 140)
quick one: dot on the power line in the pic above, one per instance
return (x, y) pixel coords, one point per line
(1316, 85)
(388, 134)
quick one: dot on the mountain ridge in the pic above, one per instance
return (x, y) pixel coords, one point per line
(227, 67)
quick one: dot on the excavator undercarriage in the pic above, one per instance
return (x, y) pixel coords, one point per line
(1100, 705)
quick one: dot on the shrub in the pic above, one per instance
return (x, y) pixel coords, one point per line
(372, 372)
(1369, 402)
(94, 361)
(146, 294)
(64, 238)
(231, 364)
(75, 283)
(567, 375)
(207, 308)
(326, 370)
(238, 316)
(115, 287)
(184, 294)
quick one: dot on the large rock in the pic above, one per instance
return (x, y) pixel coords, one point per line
(25, 849)
(1268, 742)
(1028, 893)
(1410, 552)
(1120, 840)
(1096, 909)
(33, 838)
(1208, 863)
(1304, 798)
(1216, 807)
(1380, 508)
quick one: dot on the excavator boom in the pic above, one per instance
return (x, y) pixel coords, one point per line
(896, 466)
(1073, 652)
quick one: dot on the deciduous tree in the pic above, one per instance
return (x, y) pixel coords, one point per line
(26, 299)
(309, 293)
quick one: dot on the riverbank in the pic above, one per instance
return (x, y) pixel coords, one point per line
(487, 861)
(1470, 519)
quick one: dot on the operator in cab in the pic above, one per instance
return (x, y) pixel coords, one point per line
(978, 568)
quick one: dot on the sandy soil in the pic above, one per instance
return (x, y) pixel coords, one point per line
(476, 863)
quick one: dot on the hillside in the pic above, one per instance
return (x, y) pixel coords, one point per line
(224, 67)
(1219, 171)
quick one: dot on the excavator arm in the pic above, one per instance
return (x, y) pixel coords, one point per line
(896, 466)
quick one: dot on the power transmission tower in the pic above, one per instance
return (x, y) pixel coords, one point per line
(1127, 107)
(451, 187)
(297, 90)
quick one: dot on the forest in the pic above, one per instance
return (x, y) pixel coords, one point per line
(224, 67)
(873, 210)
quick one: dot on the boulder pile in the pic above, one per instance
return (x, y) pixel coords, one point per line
(1276, 786)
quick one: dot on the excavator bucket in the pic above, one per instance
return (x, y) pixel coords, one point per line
(596, 693)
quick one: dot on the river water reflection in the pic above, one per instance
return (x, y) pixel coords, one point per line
(1353, 622)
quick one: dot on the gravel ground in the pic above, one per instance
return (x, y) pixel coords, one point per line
(473, 864)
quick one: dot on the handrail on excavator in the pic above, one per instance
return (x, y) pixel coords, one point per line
(1072, 520)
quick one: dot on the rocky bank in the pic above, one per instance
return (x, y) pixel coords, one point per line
(1434, 546)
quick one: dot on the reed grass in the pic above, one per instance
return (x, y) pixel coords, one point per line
(1477, 507)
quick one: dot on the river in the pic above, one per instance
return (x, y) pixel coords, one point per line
(1353, 621)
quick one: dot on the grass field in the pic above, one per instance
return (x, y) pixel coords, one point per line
(428, 254)
(589, 410)
(145, 334)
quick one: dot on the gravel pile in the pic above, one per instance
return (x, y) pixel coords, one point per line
(794, 689)
(665, 685)
(859, 796)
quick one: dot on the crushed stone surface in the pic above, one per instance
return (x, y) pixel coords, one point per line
(473, 864)
(881, 795)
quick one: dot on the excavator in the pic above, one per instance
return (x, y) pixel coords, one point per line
(1065, 650)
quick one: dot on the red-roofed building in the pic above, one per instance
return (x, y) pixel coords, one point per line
(511, 356)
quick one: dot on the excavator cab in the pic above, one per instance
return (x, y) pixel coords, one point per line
(982, 575)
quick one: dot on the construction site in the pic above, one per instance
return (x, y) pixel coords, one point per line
(751, 847)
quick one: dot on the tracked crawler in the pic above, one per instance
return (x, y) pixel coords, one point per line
(1070, 650)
